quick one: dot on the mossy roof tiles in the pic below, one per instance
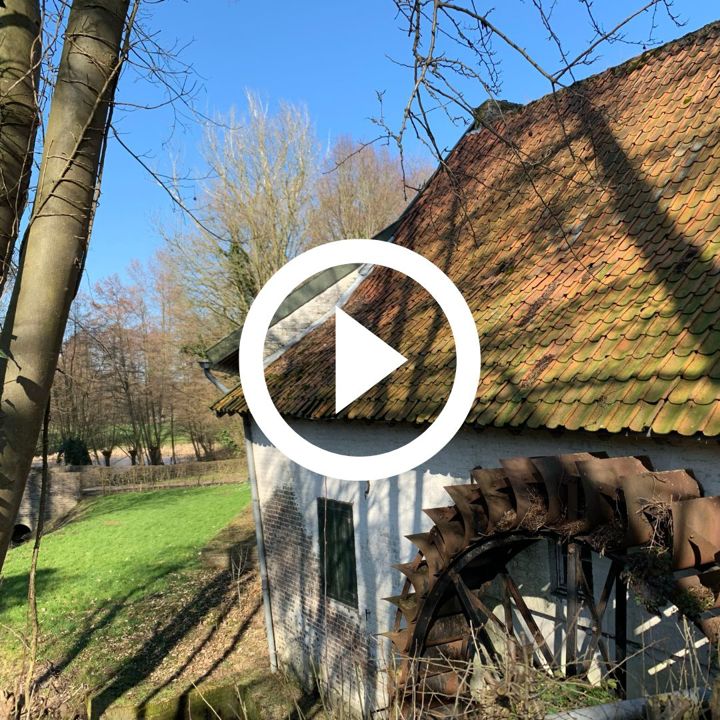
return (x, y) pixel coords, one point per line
(584, 233)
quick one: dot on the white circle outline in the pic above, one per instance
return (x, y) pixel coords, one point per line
(354, 467)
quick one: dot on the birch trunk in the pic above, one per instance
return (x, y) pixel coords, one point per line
(19, 71)
(55, 244)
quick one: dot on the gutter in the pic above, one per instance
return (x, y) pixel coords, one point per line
(260, 537)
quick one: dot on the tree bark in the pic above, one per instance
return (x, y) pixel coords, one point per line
(20, 53)
(155, 455)
(55, 244)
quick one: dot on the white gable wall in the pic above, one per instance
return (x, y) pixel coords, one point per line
(290, 328)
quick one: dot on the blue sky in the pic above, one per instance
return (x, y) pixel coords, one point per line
(329, 55)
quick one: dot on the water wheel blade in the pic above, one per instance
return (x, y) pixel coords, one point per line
(559, 473)
(401, 639)
(418, 575)
(648, 498)
(696, 532)
(448, 684)
(602, 479)
(498, 497)
(451, 527)
(407, 604)
(528, 488)
(468, 500)
(425, 543)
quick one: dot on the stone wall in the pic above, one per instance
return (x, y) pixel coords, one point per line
(69, 484)
(64, 493)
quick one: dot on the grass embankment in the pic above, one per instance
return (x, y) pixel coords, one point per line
(127, 609)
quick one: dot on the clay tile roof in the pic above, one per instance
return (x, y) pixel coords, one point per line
(584, 232)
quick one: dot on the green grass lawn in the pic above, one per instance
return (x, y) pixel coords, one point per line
(113, 581)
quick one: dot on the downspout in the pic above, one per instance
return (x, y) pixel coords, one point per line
(205, 365)
(260, 543)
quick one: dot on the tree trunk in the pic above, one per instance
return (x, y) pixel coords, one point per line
(173, 459)
(155, 455)
(19, 70)
(55, 244)
(196, 447)
(107, 454)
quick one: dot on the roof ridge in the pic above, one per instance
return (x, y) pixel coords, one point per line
(627, 67)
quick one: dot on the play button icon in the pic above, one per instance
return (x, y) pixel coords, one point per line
(362, 359)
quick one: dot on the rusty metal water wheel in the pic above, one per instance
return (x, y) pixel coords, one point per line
(461, 606)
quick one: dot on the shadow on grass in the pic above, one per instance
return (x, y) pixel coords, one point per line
(104, 616)
(237, 636)
(135, 669)
(14, 588)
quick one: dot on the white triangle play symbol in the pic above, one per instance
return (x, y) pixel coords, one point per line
(362, 359)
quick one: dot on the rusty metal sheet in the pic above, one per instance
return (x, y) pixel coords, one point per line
(417, 574)
(447, 684)
(498, 497)
(602, 479)
(648, 496)
(528, 488)
(451, 527)
(425, 543)
(705, 587)
(561, 478)
(400, 639)
(696, 532)
(468, 500)
(407, 604)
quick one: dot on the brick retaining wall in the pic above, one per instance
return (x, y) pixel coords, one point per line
(68, 485)
(63, 495)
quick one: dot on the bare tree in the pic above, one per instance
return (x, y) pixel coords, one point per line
(116, 323)
(76, 399)
(96, 43)
(361, 190)
(128, 372)
(257, 205)
(272, 195)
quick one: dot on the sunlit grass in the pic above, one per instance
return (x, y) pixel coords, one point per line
(104, 577)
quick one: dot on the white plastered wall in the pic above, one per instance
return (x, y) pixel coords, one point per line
(385, 511)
